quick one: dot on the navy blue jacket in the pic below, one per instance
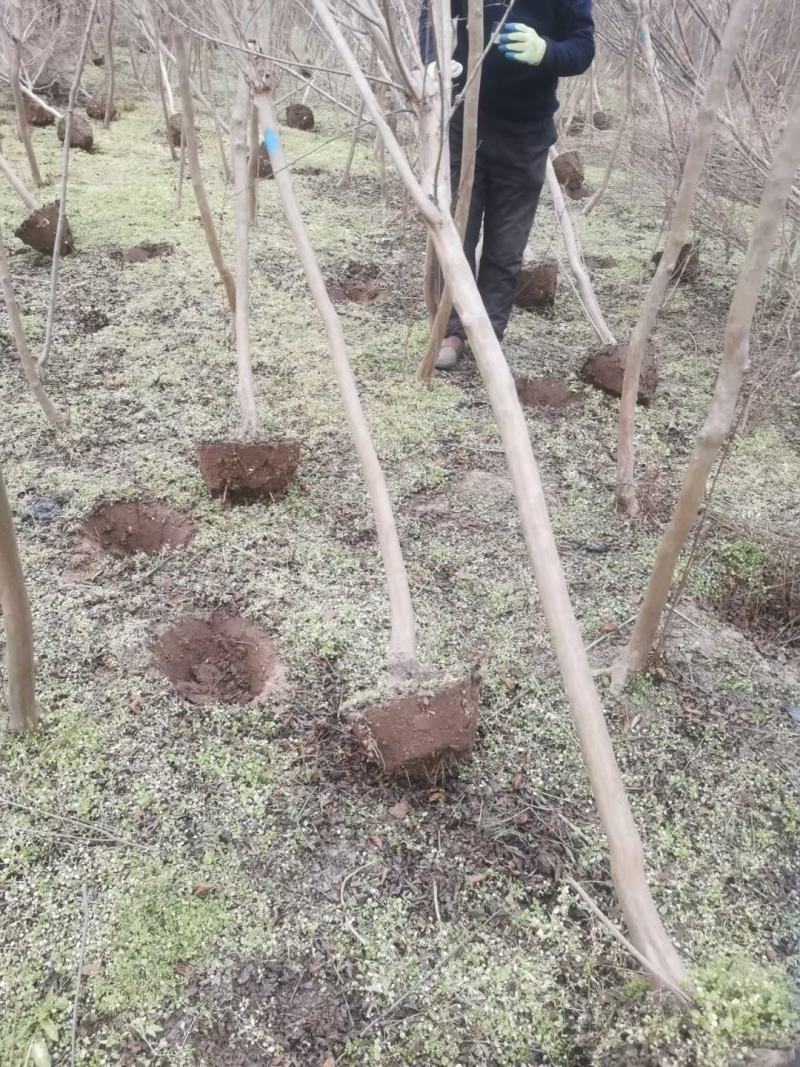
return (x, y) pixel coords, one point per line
(514, 91)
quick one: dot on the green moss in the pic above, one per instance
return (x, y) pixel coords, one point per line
(157, 923)
(740, 1002)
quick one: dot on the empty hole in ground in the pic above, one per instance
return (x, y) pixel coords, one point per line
(127, 527)
(220, 660)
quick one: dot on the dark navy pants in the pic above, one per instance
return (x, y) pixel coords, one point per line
(510, 169)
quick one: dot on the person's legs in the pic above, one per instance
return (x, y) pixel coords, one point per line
(517, 168)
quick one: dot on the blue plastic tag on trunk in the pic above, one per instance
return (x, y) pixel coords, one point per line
(271, 140)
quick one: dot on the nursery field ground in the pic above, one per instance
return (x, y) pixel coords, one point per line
(256, 894)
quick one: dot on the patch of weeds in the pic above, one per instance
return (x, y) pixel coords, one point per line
(29, 1037)
(739, 1002)
(157, 924)
(757, 587)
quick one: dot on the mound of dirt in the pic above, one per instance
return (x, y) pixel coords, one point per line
(601, 120)
(38, 115)
(264, 164)
(96, 108)
(38, 231)
(599, 262)
(605, 370)
(546, 393)
(536, 285)
(174, 128)
(421, 736)
(220, 660)
(127, 527)
(358, 290)
(80, 132)
(238, 471)
(299, 117)
(147, 250)
(687, 268)
(569, 170)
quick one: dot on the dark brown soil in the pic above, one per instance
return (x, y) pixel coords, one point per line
(264, 165)
(125, 528)
(96, 108)
(569, 170)
(600, 262)
(147, 250)
(38, 231)
(175, 123)
(98, 61)
(358, 290)
(602, 120)
(536, 286)
(605, 369)
(421, 736)
(546, 393)
(238, 471)
(80, 132)
(221, 660)
(37, 115)
(687, 267)
(299, 117)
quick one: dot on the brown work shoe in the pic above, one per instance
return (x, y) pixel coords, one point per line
(450, 353)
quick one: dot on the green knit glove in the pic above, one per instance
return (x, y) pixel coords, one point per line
(522, 43)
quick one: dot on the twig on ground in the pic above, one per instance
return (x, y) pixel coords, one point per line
(681, 994)
(96, 827)
(79, 974)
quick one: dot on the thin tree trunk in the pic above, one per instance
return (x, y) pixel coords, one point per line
(109, 66)
(54, 417)
(627, 861)
(241, 197)
(18, 185)
(165, 92)
(466, 179)
(585, 287)
(62, 205)
(679, 231)
(646, 40)
(630, 66)
(194, 166)
(722, 411)
(352, 151)
(23, 710)
(402, 649)
(252, 159)
(15, 60)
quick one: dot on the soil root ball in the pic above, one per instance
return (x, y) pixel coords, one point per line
(238, 471)
(175, 124)
(96, 108)
(127, 527)
(421, 736)
(299, 117)
(545, 393)
(569, 170)
(602, 120)
(147, 250)
(38, 115)
(687, 267)
(605, 370)
(38, 231)
(220, 660)
(264, 163)
(80, 132)
(536, 285)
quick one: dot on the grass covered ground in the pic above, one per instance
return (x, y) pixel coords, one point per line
(255, 895)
